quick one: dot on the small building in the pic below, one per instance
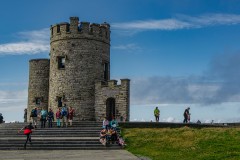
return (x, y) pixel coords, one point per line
(78, 74)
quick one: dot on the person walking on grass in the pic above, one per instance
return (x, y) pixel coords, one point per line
(157, 114)
(27, 131)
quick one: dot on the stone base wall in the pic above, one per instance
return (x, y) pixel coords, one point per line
(120, 93)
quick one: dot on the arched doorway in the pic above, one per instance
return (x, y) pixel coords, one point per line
(110, 108)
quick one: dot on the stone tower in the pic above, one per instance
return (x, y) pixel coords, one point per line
(38, 87)
(79, 56)
(79, 60)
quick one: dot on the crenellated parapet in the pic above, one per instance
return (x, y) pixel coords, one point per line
(113, 84)
(38, 86)
(76, 29)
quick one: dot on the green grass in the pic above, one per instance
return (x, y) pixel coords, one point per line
(184, 143)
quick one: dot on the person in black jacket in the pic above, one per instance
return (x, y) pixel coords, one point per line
(50, 118)
(1, 118)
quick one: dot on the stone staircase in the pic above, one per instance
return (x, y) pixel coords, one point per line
(81, 136)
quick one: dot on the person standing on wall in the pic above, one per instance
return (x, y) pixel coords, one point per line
(157, 114)
(186, 115)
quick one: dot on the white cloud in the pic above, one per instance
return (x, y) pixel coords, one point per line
(13, 84)
(179, 22)
(12, 99)
(218, 84)
(31, 42)
(128, 47)
(167, 24)
(12, 104)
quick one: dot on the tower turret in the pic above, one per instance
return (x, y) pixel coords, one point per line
(38, 87)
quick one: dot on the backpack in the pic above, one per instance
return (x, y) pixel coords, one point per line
(44, 114)
(32, 113)
(64, 112)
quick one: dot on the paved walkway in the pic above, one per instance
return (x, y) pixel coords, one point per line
(67, 155)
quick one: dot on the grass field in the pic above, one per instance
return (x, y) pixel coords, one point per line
(184, 143)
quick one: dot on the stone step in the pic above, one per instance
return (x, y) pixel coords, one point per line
(3, 125)
(51, 138)
(62, 148)
(80, 136)
(56, 128)
(63, 131)
(67, 135)
(49, 142)
(56, 145)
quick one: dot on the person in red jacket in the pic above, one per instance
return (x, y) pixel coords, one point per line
(27, 131)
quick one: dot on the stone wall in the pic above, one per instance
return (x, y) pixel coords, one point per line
(120, 93)
(38, 86)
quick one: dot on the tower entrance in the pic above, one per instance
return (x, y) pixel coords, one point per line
(110, 108)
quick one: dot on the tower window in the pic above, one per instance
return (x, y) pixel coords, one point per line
(61, 62)
(37, 100)
(67, 28)
(52, 31)
(106, 71)
(58, 29)
(79, 26)
(59, 101)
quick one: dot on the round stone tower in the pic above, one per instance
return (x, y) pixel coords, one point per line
(38, 87)
(79, 56)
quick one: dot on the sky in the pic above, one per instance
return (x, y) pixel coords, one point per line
(176, 53)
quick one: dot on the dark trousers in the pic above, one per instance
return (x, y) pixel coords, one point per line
(43, 123)
(185, 119)
(50, 123)
(157, 118)
(28, 139)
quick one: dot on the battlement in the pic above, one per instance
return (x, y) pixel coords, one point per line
(76, 29)
(40, 59)
(113, 83)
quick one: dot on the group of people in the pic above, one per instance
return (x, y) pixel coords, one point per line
(109, 133)
(63, 116)
(186, 115)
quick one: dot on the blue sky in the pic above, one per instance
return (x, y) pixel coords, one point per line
(176, 53)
